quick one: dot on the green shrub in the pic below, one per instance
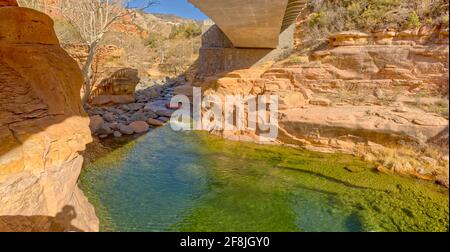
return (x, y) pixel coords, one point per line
(315, 19)
(330, 16)
(153, 40)
(189, 30)
(413, 20)
(354, 10)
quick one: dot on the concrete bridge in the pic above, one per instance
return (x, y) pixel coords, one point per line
(252, 23)
(246, 33)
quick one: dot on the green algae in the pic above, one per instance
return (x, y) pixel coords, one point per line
(168, 181)
(381, 202)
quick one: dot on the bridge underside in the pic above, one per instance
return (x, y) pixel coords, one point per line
(252, 23)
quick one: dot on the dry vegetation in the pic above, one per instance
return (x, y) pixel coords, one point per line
(329, 16)
(91, 20)
(147, 45)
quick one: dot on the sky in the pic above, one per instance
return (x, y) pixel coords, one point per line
(180, 8)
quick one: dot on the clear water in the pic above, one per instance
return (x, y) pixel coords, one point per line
(190, 181)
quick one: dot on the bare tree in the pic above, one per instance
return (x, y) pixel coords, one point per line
(35, 4)
(93, 19)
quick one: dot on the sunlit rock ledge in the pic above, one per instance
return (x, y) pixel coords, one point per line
(42, 128)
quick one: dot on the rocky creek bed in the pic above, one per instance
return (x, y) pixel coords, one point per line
(151, 109)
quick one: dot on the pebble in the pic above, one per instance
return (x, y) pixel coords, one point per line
(164, 113)
(139, 116)
(114, 126)
(139, 127)
(109, 117)
(164, 119)
(155, 122)
(104, 130)
(126, 129)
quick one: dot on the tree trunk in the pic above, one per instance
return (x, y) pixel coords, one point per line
(87, 72)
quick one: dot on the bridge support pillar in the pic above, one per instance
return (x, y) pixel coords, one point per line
(218, 54)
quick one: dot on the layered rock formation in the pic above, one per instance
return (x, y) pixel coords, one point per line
(42, 128)
(383, 96)
(117, 88)
(4, 3)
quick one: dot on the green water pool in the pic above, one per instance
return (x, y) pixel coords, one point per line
(191, 181)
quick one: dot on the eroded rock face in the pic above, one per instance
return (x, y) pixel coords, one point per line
(119, 88)
(349, 38)
(258, 82)
(42, 128)
(419, 36)
(382, 96)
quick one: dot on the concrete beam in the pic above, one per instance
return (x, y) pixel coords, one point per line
(294, 8)
(250, 23)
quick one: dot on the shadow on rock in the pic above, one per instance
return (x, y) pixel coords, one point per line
(60, 223)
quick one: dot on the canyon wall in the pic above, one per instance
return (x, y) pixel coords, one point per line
(382, 96)
(42, 128)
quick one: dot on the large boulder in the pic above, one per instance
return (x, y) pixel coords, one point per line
(43, 128)
(121, 82)
(102, 100)
(15, 27)
(119, 88)
(139, 127)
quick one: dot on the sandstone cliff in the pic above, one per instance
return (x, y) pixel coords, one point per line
(42, 128)
(383, 96)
